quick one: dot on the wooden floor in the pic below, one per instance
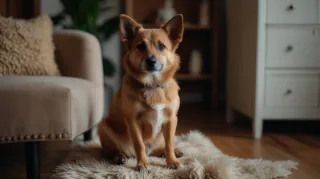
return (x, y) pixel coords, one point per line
(281, 141)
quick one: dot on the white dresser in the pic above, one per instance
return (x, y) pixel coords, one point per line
(273, 69)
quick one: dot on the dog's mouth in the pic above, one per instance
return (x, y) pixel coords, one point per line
(151, 65)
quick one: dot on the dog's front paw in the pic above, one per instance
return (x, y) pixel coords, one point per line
(173, 164)
(143, 166)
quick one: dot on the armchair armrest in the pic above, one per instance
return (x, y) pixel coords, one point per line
(37, 108)
(78, 54)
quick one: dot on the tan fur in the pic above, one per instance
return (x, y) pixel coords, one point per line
(131, 125)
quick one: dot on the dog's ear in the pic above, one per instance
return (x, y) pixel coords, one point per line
(174, 28)
(128, 28)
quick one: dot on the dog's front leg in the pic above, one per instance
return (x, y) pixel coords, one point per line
(169, 130)
(136, 136)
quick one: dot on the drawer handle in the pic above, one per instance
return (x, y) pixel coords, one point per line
(289, 91)
(289, 48)
(291, 7)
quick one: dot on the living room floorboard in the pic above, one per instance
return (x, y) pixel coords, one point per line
(281, 141)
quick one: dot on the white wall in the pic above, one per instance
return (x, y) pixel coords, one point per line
(50, 7)
(110, 48)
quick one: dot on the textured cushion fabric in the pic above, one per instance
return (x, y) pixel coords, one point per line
(46, 108)
(26, 47)
(78, 54)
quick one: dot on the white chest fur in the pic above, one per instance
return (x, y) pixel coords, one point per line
(159, 117)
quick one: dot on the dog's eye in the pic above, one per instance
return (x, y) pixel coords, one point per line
(161, 47)
(142, 46)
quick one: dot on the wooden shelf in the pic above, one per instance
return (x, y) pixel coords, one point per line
(186, 26)
(193, 77)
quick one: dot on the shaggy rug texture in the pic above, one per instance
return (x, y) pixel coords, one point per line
(201, 160)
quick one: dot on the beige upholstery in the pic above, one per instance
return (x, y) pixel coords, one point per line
(37, 108)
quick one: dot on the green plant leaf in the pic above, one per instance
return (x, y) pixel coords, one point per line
(108, 67)
(70, 7)
(89, 9)
(109, 27)
(84, 15)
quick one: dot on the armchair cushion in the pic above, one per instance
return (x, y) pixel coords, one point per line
(26, 47)
(46, 108)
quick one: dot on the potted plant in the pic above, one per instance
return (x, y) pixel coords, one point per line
(84, 16)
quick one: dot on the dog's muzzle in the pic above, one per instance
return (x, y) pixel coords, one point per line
(152, 64)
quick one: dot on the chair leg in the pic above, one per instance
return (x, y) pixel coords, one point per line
(32, 160)
(87, 135)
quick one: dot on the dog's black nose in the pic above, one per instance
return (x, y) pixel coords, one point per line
(151, 61)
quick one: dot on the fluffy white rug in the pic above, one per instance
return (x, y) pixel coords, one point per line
(202, 160)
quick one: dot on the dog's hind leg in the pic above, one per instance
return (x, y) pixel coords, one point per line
(114, 156)
(120, 158)
(110, 150)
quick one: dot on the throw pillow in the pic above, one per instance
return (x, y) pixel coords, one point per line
(26, 47)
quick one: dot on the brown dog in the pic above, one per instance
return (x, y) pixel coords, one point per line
(142, 118)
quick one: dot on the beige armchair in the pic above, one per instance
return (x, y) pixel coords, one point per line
(44, 108)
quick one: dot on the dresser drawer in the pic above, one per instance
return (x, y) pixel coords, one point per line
(292, 89)
(293, 46)
(292, 11)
